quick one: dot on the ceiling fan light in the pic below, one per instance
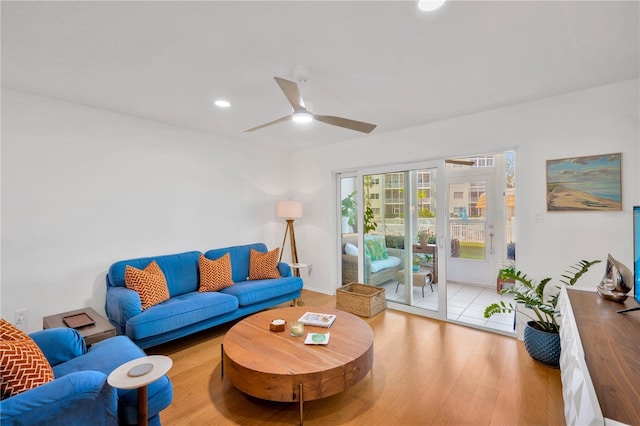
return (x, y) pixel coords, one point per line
(222, 103)
(429, 5)
(302, 117)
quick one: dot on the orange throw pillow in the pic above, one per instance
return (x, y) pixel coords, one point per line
(23, 366)
(215, 274)
(150, 283)
(10, 332)
(263, 265)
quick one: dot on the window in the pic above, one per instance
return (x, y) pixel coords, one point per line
(374, 196)
(458, 195)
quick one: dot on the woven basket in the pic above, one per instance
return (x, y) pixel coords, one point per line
(360, 299)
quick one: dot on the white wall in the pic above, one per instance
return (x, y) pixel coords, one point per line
(597, 121)
(82, 188)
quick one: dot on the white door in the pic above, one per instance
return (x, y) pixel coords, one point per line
(474, 229)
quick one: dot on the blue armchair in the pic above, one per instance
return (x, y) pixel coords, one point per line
(80, 394)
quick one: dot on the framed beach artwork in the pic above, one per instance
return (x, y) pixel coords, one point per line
(591, 183)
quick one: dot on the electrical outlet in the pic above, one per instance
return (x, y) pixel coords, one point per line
(537, 217)
(22, 316)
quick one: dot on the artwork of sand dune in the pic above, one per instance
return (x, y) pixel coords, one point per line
(561, 198)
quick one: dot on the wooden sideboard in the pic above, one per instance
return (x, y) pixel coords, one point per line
(432, 250)
(600, 359)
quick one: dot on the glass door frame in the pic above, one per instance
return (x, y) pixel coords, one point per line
(441, 222)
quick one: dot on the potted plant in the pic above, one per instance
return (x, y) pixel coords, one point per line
(425, 237)
(541, 334)
(416, 262)
(350, 211)
(504, 276)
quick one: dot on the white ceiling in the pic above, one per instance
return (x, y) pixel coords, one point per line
(381, 62)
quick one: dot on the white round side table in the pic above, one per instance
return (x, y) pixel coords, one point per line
(137, 374)
(296, 268)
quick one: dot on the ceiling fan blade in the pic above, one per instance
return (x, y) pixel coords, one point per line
(460, 162)
(359, 126)
(279, 120)
(292, 92)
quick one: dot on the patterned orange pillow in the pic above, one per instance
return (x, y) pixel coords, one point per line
(10, 332)
(215, 274)
(23, 366)
(263, 265)
(149, 283)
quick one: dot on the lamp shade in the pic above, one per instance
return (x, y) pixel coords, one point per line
(289, 209)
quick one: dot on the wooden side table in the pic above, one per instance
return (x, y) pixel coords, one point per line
(95, 333)
(138, 374)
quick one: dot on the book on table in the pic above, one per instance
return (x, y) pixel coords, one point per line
(319, 320)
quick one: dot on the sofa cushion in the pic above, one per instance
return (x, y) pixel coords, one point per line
(149, 283)
(215, 274)
(180, 311)
(180, 270)
(23, 366)
(263, 266)
(239, 258)
(255, 291)
(379, 265)
(375, 247)
(350, 249)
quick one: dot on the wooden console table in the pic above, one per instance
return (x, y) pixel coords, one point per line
(431, 249)
(600, 361)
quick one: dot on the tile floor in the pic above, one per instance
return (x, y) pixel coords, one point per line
(465, 303)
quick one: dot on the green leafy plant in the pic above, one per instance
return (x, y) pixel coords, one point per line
(532, 295)
(350, 210)
(507, 271)
(369, 223)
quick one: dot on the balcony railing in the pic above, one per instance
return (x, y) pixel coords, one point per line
(469, 233)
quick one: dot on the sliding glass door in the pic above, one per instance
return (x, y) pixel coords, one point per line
(396, 225)
(432, 234)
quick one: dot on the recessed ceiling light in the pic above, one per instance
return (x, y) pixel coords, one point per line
(222, 103)
(429, 5)
(302, 117)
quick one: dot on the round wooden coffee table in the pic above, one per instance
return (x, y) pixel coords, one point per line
(279, 367)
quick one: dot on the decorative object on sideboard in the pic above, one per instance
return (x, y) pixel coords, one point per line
(616, 282)
(541, 334)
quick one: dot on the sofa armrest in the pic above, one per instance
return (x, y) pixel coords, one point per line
(284, 269)
(80, 398)
(122, 304)
(59, 344)
(396, 252)
(350, 268)
(353, 261)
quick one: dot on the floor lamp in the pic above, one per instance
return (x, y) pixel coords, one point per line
(290, 210)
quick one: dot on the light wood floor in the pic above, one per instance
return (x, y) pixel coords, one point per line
(425, 372)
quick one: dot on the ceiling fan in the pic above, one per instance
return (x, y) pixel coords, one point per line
(302, 115)
(460, 162)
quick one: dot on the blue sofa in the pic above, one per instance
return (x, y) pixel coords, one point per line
(188, 310)
(79, 394)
